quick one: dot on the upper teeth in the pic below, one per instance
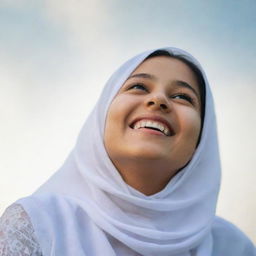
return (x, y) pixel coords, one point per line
(152, 124)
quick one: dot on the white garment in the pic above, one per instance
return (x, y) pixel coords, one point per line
(86, 208)
(17, 235)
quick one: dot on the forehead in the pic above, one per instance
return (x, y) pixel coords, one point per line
(164, 66)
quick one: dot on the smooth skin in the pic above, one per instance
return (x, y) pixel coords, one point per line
(162, 88)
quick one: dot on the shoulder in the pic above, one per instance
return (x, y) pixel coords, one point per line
(17, 233)
(230, 240)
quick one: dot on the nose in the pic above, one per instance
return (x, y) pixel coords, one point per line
(158, 102)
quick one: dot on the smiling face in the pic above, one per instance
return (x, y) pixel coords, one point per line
(155, 116)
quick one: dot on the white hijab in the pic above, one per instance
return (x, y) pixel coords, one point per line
(86, 208)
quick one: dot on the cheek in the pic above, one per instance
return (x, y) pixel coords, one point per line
(115, 114)
(191, 124)
(110, 125)
(115, 119)
(120, 110)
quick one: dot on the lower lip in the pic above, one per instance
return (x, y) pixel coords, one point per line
(150, 131)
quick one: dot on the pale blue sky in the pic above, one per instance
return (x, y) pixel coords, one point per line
(226, 29)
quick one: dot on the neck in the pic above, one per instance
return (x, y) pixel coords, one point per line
(148, 177)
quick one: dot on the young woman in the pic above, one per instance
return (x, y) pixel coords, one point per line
(143, 178)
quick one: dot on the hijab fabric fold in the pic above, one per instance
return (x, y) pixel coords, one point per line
(86, 208)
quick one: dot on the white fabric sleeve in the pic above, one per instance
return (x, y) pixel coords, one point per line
(17, 236)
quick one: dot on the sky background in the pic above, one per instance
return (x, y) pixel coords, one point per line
(56, 55)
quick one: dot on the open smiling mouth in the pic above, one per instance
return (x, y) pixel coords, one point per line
(152, 125)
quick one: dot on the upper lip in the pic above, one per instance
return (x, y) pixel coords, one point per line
(154, 118)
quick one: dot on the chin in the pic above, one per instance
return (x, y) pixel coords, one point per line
(146, 152)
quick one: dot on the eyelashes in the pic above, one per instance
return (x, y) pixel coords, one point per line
(183, 96)
(180, 96)
(138, 86)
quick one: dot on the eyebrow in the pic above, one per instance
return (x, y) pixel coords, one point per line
(143, 75)
(186, 85)
(177, 82)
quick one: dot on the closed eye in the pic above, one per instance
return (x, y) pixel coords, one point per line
(183, 97)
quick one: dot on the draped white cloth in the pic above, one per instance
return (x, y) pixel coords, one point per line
(86, 208)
